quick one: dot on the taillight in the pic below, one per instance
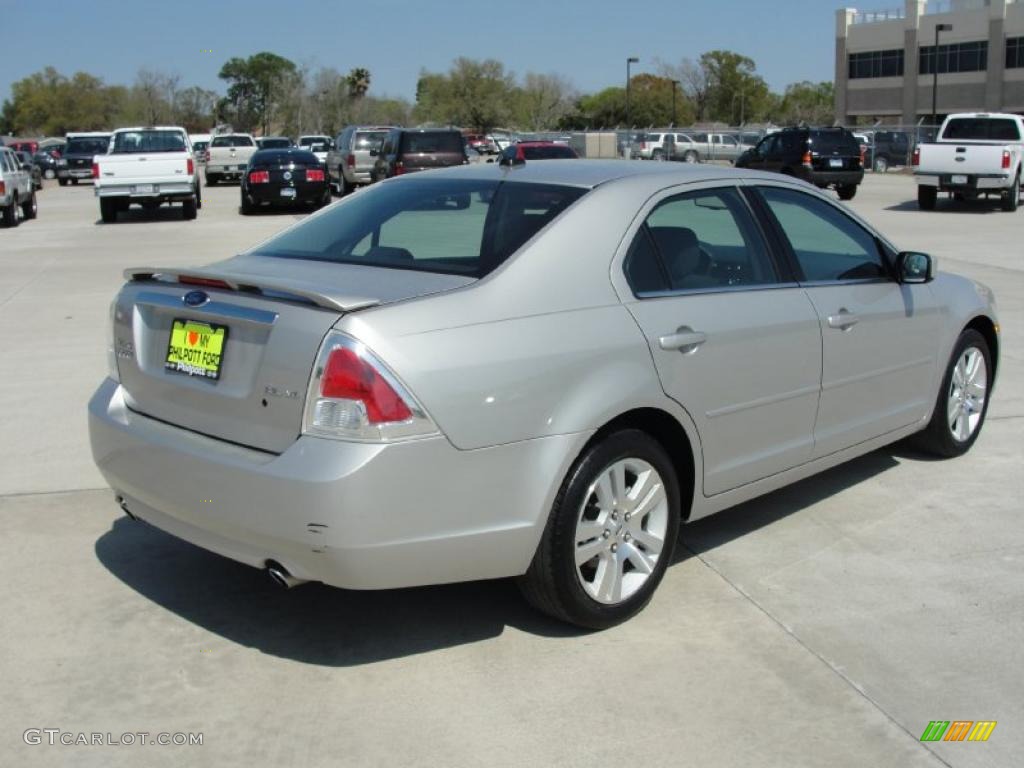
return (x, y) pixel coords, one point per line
(399, 168)
(206, 156)
(863, 152)
(352, 395)
(95, 170)
(643, 145)
(190, 167)
(208, 282)
(314, 174)
(806, 159)
(915, 159)
(259, 177)
(1006, 158)
(3, 188)
(350, 161)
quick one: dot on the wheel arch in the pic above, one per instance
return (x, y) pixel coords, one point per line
(671, 435)
(984, 325)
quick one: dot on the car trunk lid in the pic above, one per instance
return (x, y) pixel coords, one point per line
(275, 312)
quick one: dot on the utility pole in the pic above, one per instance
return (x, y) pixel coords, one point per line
(629, 61)
(675, 84)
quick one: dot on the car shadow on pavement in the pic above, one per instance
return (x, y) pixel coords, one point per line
(321, 625)
(734, 523)
(142, 216)
(952, 206)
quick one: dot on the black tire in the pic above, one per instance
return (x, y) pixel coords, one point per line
(189, 208)
(326, 199)
(199, 196)
(49, 173)
(62, 182)
(691, 157)
(212, 179)
(247, 208)
(926, 197)
(346, 188)
(74, 182)
(10, 213)
(552, 584)
(108, 209)
(30, 208)
(657, 155)
(1011, 198)
(881, 165)
(937, 438)
(846, 191)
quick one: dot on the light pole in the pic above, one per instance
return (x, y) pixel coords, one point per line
(935, 68)
(629, 61)
(675, 84)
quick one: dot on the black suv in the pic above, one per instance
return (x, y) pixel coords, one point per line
(405, 150)
(825, 157)
(888, 149)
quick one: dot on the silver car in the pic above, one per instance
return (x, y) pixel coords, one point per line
(537, 372)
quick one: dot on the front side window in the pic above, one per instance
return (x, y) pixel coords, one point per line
(455, 226)
(827, 244)
(699, 241)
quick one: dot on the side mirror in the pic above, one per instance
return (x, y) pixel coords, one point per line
(914, 267)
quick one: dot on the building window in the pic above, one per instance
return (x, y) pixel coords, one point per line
(955, 57)
(1014, 52)
(876, 64)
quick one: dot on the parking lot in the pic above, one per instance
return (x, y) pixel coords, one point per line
(824, 624)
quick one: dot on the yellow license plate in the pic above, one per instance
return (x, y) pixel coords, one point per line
(196, 349)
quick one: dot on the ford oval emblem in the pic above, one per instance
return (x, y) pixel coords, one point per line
(195, 298)
(287, 175)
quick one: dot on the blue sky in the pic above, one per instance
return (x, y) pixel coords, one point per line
(587, 42)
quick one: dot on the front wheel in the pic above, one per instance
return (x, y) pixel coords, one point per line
(963, 398)
(62, 182)
(610, 534)
(926, 197)
(658, 155)
(846, 191)
(1011, 198)
(49, 173)
(690, 157)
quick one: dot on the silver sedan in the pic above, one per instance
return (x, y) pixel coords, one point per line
(537, 372)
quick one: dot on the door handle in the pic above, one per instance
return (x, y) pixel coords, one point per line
(843, 321)
(685, 339)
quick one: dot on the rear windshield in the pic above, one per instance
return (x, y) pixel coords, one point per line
(87, 146)
(442, 141)
(276, 143)
(369, 139)
(232, 141)
(284, 157)
(136, 142)
(455, 226)
(200, 145)
(554, 152)
(308, 141)
(981, 129)
(832, 141)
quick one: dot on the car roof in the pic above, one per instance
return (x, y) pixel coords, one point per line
(594, 173)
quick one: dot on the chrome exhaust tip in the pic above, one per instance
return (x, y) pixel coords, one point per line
(280, 576)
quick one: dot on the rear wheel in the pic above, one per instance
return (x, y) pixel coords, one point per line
(108, 209)
(247, 207)
(1011, 197)
(62, 182)
(926, 197)
(610, 535)
(963, 398)
(657, 155)
(30, 209)
(74, 182)
(690, 157)
(346, 187)
(212, 179)
(49, 173)
(881, 165)
(846, 191)
(10, 214)
(189, 208)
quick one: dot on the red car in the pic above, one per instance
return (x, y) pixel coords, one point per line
(24, 146)
(538, 150)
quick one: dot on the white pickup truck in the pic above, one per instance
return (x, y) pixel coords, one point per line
(228, 156)
(975, 154)
(147, 167)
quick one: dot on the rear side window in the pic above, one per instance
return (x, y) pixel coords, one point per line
(448, 142)
(699, 241)
(827, 244)
(456, 226)
(553, 152)
(981, 129)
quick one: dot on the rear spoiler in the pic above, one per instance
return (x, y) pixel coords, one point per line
(261, 286)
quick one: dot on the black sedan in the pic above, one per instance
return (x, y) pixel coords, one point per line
(284, 177)
(47, 162)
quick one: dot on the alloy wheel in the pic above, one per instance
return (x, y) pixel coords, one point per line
(967, 390)
(620, 530)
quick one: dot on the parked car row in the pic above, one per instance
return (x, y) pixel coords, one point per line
(17, 189)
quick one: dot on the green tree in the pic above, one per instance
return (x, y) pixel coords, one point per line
(358, 81)
(736, 93)
(543, 100)
(195, 109)
(807, 102)
(473, 94)
(257, 85)
(650, 104)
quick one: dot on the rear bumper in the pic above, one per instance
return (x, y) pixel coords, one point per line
(270, 194)
(175, 190)
(836, 178)
(74, 173)
(974, 181)
(226, 170)
(353, 515)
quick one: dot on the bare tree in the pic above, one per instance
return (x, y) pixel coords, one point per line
(156, 93)
(695, 81)
(544, 99)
